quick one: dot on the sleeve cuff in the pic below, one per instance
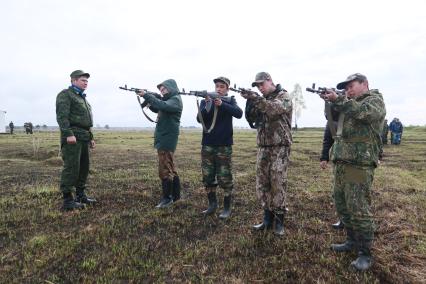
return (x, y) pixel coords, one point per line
(68, 133)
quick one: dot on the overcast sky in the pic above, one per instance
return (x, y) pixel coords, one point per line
(142, 43)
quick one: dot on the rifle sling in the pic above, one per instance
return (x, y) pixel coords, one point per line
(200, 117)
(340, 124)
(143, 111)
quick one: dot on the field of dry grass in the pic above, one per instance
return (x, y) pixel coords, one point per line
(124, 239)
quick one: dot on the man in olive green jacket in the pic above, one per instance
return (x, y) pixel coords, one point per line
(74, 116)
(169, 109)
(355, 154)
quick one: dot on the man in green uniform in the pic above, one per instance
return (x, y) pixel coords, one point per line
(355, 154)
(74, 116)
(166, 134)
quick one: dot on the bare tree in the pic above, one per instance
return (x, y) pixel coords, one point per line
(298, 103)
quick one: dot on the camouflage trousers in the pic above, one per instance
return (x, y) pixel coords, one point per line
(76, 166)
(216, 166)
(166, 165)
(352, 197)
(271, 177)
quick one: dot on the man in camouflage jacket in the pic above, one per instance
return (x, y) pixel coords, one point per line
(271, 114)
(355, 155)
(74, 116)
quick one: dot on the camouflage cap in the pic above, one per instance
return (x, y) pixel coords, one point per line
(79, 73)
(353, 77)
(222, 80)
(261, 77)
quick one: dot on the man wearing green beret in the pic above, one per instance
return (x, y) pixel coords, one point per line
(74, 116)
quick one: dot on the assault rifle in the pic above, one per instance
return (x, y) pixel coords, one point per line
(145, 103)
(137, 91)
(204, 94)
(253, 124)
(324, 90)
(213, 96)
(243, 91)
(327, 108)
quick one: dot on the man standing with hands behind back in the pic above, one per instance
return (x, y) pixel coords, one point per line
(74, 116)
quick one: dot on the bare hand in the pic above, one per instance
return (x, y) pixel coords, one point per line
(248, 95)
(217, 102)
(245, 95)
(140, 93)
(323, 165)
(71, 140)
(330, 96)
(92, 144)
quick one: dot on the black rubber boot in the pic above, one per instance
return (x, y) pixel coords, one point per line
(166, 200)
(227, 201)
(81, 197)
(70, 204)
(176, 188)
(348, 245)
(267, 221)
(338, 225)
(212, 203)
(279, 224)
(364, 260)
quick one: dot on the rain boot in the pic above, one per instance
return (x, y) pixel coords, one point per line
(279, 224)
(212, 203)
(348, 245)
(364, 260)
(267, 221)
(176, 188)
(227, 202)
(166, 200)
(338, 225)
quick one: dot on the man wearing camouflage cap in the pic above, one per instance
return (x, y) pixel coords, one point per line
(74, 116)
(355, 155)
(271, 113)
(216, 151)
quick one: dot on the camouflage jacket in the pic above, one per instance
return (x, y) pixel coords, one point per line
(74, 115)
(272, 114)
(358, 139)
